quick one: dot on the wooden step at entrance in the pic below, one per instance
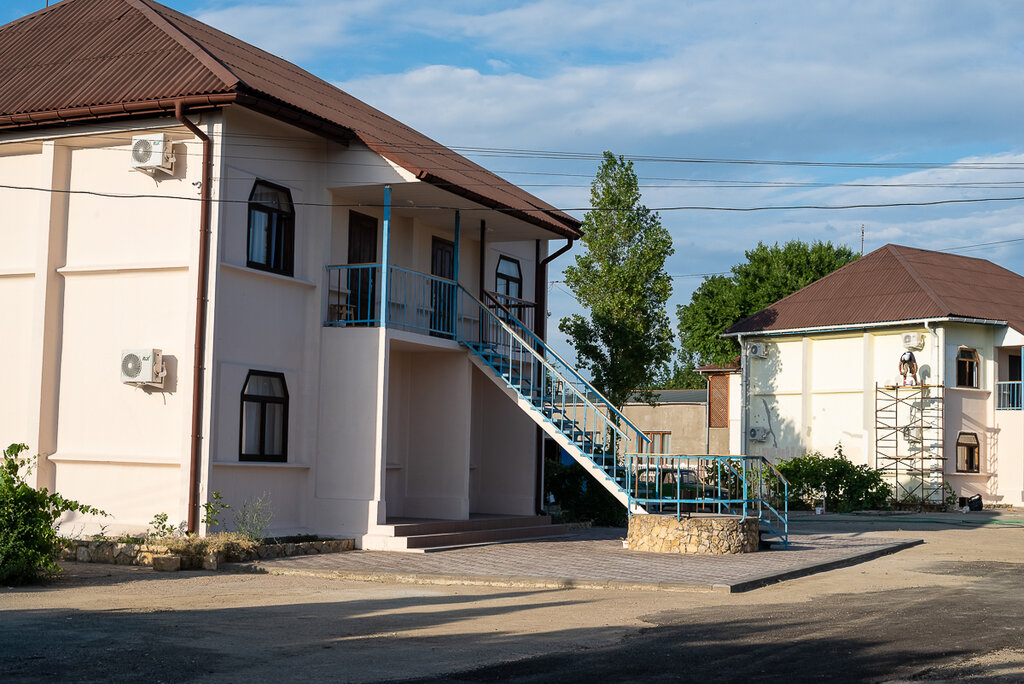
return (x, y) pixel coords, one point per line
(435, 535)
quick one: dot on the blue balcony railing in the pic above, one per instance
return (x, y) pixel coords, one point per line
(1008, 396)
(417, 302)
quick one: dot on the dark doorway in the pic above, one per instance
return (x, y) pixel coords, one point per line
(1014, 369)
(362, 282)
(442, 294)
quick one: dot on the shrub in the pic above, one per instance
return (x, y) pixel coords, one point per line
(213, 508)
(842, 485)
(28, 522)
(580, 498)
(253, 518)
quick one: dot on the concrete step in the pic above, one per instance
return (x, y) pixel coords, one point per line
(449, 540)
(408, 528)
(421, 536)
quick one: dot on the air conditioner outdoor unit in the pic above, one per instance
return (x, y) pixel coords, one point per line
(758, 433)
(758, 349)
(143, 367)
(152, 152)
(913, 341)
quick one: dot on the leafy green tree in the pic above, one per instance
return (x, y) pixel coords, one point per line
(680, 376)
(769, 274)
(620, 280)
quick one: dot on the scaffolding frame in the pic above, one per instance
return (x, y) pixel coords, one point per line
(909, 434)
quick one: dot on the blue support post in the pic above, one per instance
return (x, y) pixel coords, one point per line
(455, 271)
(455, 266)
(385, 261)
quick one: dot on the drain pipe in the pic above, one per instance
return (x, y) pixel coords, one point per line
(201, 305)
(540, 320)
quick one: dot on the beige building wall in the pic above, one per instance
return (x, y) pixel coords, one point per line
(380, 422)
(687, 423)
(92, 274)
(812, 392)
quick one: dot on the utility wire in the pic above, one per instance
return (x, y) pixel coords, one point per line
(793, 207)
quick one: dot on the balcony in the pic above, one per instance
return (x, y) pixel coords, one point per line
(417, 302)
(1008, 396)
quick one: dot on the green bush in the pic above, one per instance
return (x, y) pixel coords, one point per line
(28, 532)
(843, 485)
(580, 498)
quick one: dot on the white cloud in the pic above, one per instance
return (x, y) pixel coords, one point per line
(297, 29)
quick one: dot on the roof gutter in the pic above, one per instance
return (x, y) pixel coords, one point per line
(862, 326)
(112, 111)
(199, 350)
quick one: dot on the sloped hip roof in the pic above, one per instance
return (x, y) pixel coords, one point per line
(82, 59)
(896, 283)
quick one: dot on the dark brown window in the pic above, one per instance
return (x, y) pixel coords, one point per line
(271, 229)
(264, 424)
(508, 280)
(967, 460)
(966, 367)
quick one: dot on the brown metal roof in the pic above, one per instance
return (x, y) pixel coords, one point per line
(81, 59)
(896, 283)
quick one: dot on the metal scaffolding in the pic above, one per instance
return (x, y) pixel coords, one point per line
(908, 442)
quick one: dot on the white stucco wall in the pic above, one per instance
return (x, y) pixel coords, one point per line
(91, 275)
(503, 454)
(814, 391)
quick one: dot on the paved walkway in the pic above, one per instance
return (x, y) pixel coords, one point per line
(592, 558)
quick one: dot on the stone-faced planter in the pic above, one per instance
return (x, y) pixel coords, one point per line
(712, 535)
(117, 553)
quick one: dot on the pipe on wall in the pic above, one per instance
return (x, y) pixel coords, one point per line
(199, 350)
(540, 319)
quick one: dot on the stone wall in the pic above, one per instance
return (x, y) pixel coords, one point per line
(706, 535)
(118, 553)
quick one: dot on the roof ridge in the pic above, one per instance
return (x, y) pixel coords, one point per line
(218, 68)
(922, 283)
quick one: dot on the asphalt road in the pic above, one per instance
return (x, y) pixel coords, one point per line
(951, 609)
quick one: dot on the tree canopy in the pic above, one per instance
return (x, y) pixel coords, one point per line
(767, 275)
(620, 280)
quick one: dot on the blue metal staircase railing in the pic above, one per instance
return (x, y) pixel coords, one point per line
(560, 400)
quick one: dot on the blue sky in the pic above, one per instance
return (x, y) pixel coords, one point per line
(865, 82)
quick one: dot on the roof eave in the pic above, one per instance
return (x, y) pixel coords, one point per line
(555, 224)
(122, 110)
(863, 326)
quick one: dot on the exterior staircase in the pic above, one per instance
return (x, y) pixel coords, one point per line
(425, 536)
(614, 451)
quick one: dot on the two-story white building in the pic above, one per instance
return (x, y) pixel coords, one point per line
(324, 284)
(823, 367)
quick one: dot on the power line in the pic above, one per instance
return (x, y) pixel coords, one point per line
(535, 210)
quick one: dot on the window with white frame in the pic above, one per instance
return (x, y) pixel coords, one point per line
(264, 422)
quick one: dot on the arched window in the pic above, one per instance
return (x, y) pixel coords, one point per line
(271, 229)
(966, 367)
(264, 425)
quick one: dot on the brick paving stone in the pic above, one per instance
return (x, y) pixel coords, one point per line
(594, 557)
